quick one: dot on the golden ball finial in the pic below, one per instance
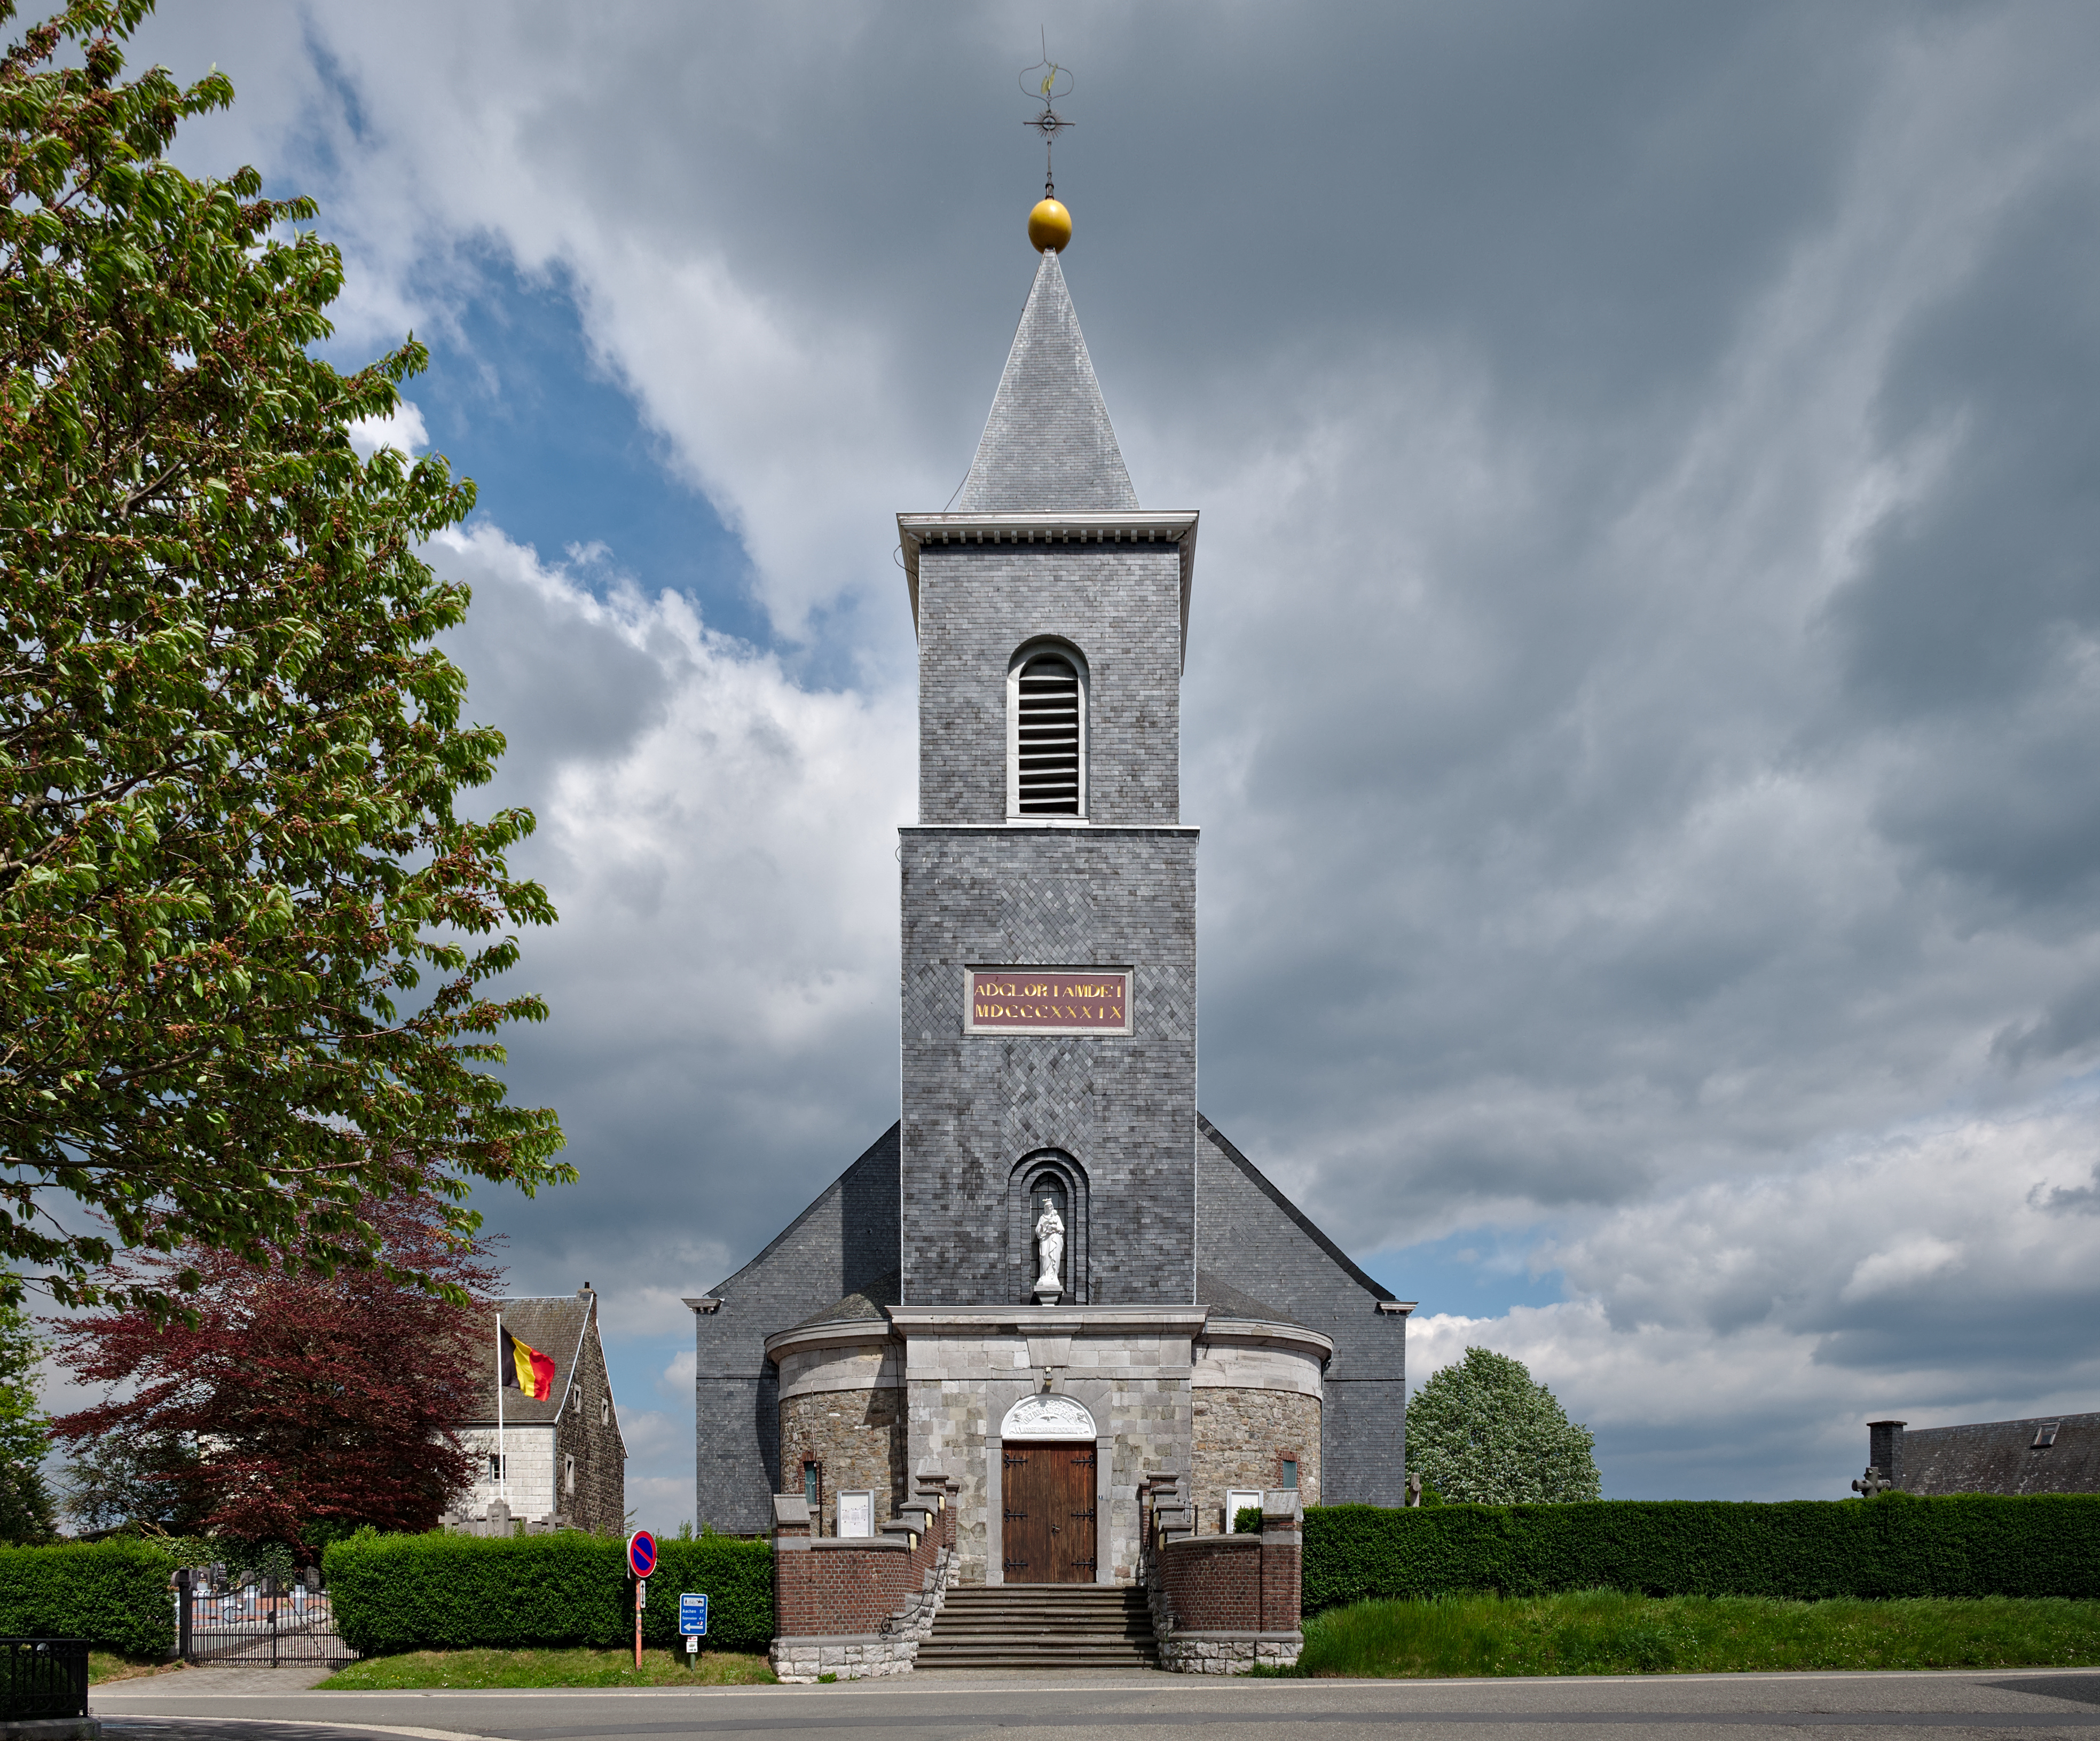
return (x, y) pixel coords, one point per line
(1049, 227)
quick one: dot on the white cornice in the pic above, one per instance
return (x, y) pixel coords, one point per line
(1265, 1332)
(1046, 1320)
(1175, 526)
(841, 1333)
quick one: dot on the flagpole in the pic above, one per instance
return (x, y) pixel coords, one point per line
(502, 1462)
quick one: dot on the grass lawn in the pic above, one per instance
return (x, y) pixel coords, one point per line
(1605, 1631)
(580, 1666)
(111, 1665)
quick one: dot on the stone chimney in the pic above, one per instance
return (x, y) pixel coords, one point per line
(1885, 1448)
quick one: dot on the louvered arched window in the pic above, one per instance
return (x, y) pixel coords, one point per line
(1047, 733)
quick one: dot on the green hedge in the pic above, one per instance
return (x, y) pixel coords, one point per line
(115, 1594)
(1966, 1545)
(444, 1592)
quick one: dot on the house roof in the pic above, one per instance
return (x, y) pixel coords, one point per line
(1047, 446)
(2001, 1457)
(555, 1327)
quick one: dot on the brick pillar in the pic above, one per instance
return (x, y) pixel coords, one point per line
(792, 1595)
(1282, 1562)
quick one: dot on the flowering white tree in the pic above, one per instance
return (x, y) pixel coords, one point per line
(1483, 1433)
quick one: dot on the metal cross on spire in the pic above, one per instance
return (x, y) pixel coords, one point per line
(1047, 80)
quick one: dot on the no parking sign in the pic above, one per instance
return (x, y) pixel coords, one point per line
(641, 1553)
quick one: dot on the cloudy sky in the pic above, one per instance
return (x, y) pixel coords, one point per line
(1644, 672)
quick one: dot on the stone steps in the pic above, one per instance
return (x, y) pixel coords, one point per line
(1041, 1626)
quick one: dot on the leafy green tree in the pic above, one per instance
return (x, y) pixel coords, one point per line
(25, 1500)
(229, 751)
(1482, 1432)
(138, 1478)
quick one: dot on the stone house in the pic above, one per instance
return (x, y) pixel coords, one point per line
(1052, 1280)
(563, 1463)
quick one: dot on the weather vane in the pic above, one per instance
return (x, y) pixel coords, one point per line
(1047, 80)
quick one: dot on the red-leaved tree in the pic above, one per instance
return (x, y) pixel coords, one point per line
(296, 1405)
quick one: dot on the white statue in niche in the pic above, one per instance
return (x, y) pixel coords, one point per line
(1050, 1242)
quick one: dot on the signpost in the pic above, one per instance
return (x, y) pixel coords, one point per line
(641, 1561)
(693, 1620)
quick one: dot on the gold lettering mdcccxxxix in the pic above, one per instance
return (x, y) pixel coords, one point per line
(1041, 1000)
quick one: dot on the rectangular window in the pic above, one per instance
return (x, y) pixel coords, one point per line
(1286, 1472)
(495, 1467)
(569, 1476)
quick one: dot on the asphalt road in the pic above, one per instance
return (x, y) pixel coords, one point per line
(224, 1706)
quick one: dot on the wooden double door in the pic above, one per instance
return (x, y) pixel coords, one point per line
(1047, 1532)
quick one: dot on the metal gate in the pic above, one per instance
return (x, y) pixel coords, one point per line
(252, 1620)
(43, 1678)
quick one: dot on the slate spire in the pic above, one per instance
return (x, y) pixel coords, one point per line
(1047, 446)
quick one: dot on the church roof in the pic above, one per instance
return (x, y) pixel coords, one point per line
(866, 1305)
(1048, 447)
(1228, 1302)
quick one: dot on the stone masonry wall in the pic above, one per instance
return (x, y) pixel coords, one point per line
(1240, 1435)
(588, 1431)
(1120, 605)
(1135, 1383)
(975, 1104)
(859, 1437)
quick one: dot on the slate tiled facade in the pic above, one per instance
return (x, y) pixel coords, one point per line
(913, 1274)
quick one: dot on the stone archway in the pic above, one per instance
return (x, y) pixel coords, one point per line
(1049, 1469)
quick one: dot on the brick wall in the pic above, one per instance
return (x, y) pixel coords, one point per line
(856, 1609)
(1223, 1603)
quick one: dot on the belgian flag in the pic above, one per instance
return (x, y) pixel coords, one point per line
(525, 1369)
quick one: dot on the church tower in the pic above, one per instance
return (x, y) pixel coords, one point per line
(1053, 1279)
(1049, 888)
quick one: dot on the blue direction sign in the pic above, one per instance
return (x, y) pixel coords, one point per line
(641, 1553)
(693, 1615)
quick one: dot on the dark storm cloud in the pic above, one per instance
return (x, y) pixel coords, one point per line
(1642, 674)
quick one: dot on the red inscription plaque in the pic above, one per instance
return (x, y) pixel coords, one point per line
(1048, 1000)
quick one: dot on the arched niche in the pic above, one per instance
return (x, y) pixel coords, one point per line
(1051, 1173)
(1046, 1416)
